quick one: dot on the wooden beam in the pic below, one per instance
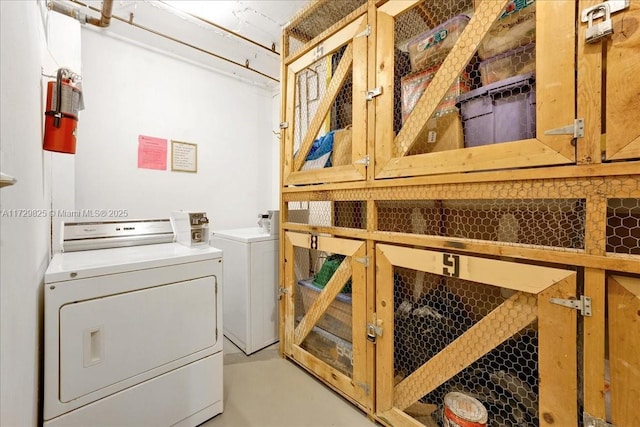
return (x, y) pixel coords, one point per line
(594, 344)
(484, 336)
(623, 86)
(557, 356)
(383, 105)
(289, 303)
(385, 343)
(525, 153)
(397, 418)
(590, 69)
(624, 349)
(520, 277)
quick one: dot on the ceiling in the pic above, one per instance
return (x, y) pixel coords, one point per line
(236, 37)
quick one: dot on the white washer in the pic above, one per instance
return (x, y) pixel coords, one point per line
(132, 333)
(251, 286)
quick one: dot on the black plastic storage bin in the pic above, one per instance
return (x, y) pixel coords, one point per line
(499, 112)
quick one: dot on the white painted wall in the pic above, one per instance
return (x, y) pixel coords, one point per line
(130, 90)
(24, 241)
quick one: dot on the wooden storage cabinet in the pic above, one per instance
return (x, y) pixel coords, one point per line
(454, 247)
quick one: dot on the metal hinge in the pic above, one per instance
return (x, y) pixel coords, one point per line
(374, 329)
(314, 241)
(598, 11)
(583, 304)
(364, 33)
(372, 93)
(362, 161)
(216, 334)
(363, 260)
(364, 386)
(284, 125)
(591, 421)
(216, 286)
(576, 129)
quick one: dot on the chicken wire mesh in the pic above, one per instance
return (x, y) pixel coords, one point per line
(332, 143)
(347, 214)
(547, 222)
(623, 226)
(430, 313)
(492, 100)
(330, 339)
(313, 21)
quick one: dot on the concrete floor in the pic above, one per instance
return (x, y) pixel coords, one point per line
(264, 390)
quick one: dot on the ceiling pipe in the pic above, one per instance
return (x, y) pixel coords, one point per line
(103, 21)
(177, 11)
(74, 13)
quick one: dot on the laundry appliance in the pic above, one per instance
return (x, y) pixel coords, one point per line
(251, 286)
(132, 328)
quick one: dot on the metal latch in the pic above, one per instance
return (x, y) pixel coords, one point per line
(583, 304)
(576, 129)
(282, 291)
(598, 11)
(364, 33)
(374, 329)
(364, 260)
(591, 421)
(372, 93)
(596, 32)
(363, 161)
(284, 125)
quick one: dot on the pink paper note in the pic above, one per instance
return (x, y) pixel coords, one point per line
(152, 153)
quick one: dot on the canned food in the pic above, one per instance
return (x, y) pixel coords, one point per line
(461, 410)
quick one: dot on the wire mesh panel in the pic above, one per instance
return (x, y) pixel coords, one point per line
(314, 20)
(473, 328)
(546, 222)
(623, 226)
(465, 76)
(348, 214)
(505, 380)
(423, 37)
(330, 339)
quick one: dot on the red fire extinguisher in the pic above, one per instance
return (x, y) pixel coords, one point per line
(64, 100)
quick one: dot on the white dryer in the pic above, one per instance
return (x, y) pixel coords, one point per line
(251, 286)
(133, 328)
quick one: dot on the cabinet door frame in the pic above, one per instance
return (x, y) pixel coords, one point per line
(534, 286)
(359, 386)
(555, 94)
(354, 60)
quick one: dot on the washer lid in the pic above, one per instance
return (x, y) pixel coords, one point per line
(245, 235)
(100, 262)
